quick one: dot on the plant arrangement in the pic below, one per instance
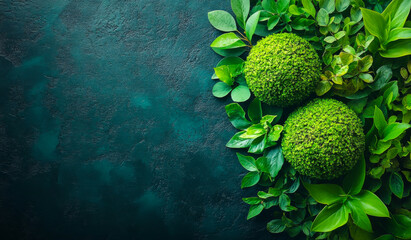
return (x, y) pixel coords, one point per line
(322, 104)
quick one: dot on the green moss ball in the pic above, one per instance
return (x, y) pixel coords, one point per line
(323, 139)
(282, 69)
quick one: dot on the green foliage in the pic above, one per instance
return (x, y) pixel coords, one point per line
(323, 139)
(282, 69)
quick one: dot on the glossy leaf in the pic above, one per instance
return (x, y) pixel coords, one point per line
(397, 12)
(379, 121)
(237, 142)
(223, 73)
(231, 62)
(399, 33)
(254, 111)
(325, 193)
(258, 145)
(276, 226)
(330, 218)
(251, 25)
(358, 215)
(396, 184)
(282, 5)
(241, 8)
(342, 5)
(254, 210)
(309, 7)
(354, 180)
(221, 89)
(273, 21)
(247, 162)
(397, 49)
(394, 130)
(236, 115)
(375, 23)
(384, 74)
(254, 131)
(235, 52)
(228, 41)
(275, 160)
(322, 17)
(371, 204)
(240, 94)
(222, 21)
(250, 179)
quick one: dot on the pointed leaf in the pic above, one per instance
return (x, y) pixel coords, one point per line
(254, 111)
(330, 218)
(354, 180)
(309, 7)
(396, 184)
(222, 21)
(371, 204)
(236, 115)
(250, 179)
(358, 215)
(325, 193)
(397, 11)
(254, 210)
(375, 23)
(247, 162)
(251, 25)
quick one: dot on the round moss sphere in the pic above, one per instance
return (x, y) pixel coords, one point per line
(282, 69)
(323, 139)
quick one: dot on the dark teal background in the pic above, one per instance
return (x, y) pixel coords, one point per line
(108, 129)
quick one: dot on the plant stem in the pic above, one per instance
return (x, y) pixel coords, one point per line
(245, 39)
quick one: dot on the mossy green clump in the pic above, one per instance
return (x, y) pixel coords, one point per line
(282, 69)
(323, 139)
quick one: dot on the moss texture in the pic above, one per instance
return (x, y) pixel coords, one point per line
(323, 139)
(282, 69)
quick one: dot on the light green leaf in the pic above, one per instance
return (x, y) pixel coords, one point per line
(294, 10)
(397, 49)
(328, 5)
(397, 12)
(258, 145)
(254, 111)
(236, 115)
(275, 133)
(228, 41)
(365, 63)
(330, 218)
(254, 131)
(276, 226)
(247, 162)
(375, 23)
(241, 8)
(235, 52)
(273, 21)
(254, 210)
(251, 25)
(330, 39)
(250, 179)
(340, 34)
(366, 77)
(222, 21)
(381, 147)
(396, 184)
(358, 215)
(275, 159)
(322, 17)
(223, 73)
(399, 33)
(237, 142)
(341, 5)
(325, 193)
(263, 164)
(394, 130)
(323, 87)
(371, 204)
(231, 62)
(379, 121)
(309, 7)
(221, 89)
(282, 5)
(354, 180)
(240, 94)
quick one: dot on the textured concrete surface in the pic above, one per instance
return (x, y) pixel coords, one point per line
(108, 129)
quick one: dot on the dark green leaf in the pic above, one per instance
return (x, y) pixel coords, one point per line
(295, 186)
(396, 184)
(252, 200)
(275, 159)
(371, 204)
(322, 17)
(254, 111)
(379, 121)
(358, 215)
(276, 226)
(237, 142)
(222, 21)
(330, 218)
(236, 116)
(230, 52)
(323, 87)
(247, 162)
(269, 5)
(254, 210)
(354, 180)
(358, 104)
(250, 179)
(221, 89)
(273, 21)
(284, 203)
(240, 94)
(325, 193)
(263, 164)
(383, 75)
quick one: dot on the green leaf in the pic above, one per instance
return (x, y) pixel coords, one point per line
(254, 111)
(275, 160)
(241, 8)
(237, 142)
(222, 21)
(264, 195)
(397, 49)
(384, 74)
(394, 130)
(396, 184)
(340, 34)
(366, 77)
(330, 39)
(294, 10)
(295, 186)
(236, 115)
(397, 12)
(322, 17)
(330, 218)
(325, 193)
(258, 145)
(371, 204)
(358, 215)
(341, 5)
(375, 23)
(282, 5)
(354, 180)
(251, 25)
(228, 41)
(275, 133)
(276, 226)
(263, 164)
(254, 210)
(223, 73)
(254, 131)
(247, 162)
(273, 21)
(365, 63)
(323, 87)
(328, 5)
(284, 203)
(309, 7)
(399, 33)
(231, 62)
(250, 179)
(252, 200)
(381, 147)
(400, 226)
(221, 89)
(379, 121)
(240, 94)
(235, 52)
(358, 104)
